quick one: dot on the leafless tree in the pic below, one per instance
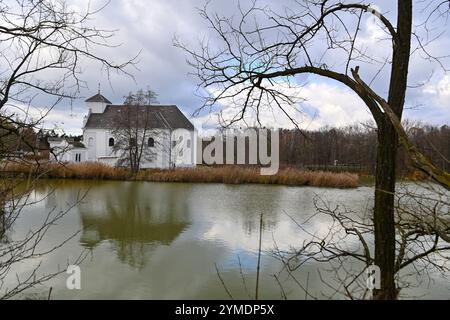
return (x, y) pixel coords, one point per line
(29, 248)
(422, 223)
(260, 51)
(43, 46)
(135, 140)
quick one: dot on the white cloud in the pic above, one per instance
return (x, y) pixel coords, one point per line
(336, 106)
(324, 104)
(151, 26)
(440, 89)
(70, 122)
(64, 120)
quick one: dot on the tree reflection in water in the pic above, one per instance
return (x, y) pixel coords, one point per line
(131, 220)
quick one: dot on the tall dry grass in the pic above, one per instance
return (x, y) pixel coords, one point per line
(241, 175)
(85, 170)
(200, 174)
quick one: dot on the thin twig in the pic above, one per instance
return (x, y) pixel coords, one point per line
(223, 282)
(259, 256)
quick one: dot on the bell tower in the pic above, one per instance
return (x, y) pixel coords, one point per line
(97, 103)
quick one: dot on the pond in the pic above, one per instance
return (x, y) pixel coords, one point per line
(147, 240)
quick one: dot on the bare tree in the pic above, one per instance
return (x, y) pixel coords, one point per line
(419, 160)
(134, 139)
(141, 97)
(29, 248)
(261, 50)
(43, 46)
(422, 225)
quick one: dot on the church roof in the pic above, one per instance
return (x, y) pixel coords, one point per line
(71, 141)
(98, 98)
(149, 116)
(78, 144)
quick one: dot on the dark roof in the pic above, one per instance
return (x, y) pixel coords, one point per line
(56, 139)
(71, 141)
(77, 144)
(158, 117)
(98, 98)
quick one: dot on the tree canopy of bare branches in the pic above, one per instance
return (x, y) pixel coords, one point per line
(261, 52)
(44, 45)
(422, 225)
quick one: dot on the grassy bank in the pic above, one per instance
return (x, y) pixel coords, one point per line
(410, 176)
(201, 174)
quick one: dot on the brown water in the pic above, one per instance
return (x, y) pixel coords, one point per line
(164, 240)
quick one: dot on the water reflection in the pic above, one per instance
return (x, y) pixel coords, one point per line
(162, 240)
(132, 219)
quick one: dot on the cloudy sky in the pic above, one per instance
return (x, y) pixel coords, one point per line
(150, 27)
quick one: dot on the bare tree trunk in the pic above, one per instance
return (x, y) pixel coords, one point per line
(384, 223)
(383, 215)
(210, 71)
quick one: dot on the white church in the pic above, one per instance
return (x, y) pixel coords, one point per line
(170, 138)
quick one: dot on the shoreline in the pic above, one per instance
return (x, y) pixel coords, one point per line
(200, 174)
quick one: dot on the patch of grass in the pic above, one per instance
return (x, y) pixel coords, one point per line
(366, 180)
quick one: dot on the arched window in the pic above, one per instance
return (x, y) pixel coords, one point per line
(111, 142)
(188, 143)
(151, 142)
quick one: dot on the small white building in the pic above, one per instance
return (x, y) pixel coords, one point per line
(170, 138)
(65, 150)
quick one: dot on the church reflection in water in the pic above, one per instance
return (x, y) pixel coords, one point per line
(130, 219)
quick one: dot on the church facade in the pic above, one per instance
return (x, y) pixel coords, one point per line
(164, 136)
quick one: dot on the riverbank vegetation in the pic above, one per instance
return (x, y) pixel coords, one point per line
(201, 174)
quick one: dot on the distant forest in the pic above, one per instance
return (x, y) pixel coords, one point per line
(353, 148)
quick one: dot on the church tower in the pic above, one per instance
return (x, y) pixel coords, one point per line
(97, 103)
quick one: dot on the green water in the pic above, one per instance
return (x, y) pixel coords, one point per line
(164, 240)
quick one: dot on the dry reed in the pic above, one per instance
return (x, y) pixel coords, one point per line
(200, 174)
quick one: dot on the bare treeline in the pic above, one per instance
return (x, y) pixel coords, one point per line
(354, 147)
